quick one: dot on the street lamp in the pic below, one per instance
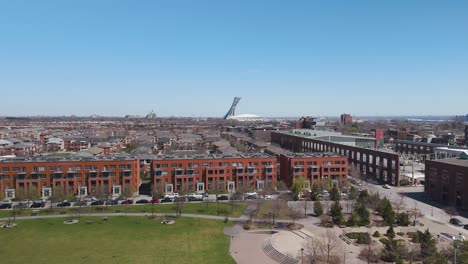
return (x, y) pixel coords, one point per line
(302, 256)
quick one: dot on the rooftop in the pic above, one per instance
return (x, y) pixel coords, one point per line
(452, 161)
(211, 156)
(313, 155)
(65, 159)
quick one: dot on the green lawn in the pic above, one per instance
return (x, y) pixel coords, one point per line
(234, 209)
(119, 240)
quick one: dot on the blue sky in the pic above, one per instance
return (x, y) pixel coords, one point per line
(190, 58)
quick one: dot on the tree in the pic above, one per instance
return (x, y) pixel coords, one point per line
(294, 215)
(335, 194)
(330, 244)
(315, 191)
(427, 244)
(156, 193)
(391, 233)
(297, 187)
(313, 248)
(353, 220)
(275, 209)
(400, 204)
(363, 214)
(305, 202)
(178, 206)
(403, 219)
(368, 254)
(336, 213)
(318, 208)
(58, 195)
(387, 212)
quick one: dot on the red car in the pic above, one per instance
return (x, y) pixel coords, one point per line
(154, 201)
(129, 201)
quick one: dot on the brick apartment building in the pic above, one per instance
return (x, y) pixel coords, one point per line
(324, 168)
(346, 119)
(201, 173)
(447, 181)
(110, 175)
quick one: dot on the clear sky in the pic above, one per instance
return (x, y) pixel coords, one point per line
(190, 58)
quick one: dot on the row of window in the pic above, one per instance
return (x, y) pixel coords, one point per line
(211, 164)
(70, 168)
(314, 163)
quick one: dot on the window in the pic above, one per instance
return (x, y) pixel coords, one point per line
(337, 162)
(77, 168)
(122, 167)
(88, 167)
(195, 165)
(226, 164)
(5, 169)
(173, 165)
(113, 167)
(164, 165)
(234, 164)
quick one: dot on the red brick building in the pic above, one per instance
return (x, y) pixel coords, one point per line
(75, 176)
(447, 181)
(346, 119)
(326, 168)
(201, 173)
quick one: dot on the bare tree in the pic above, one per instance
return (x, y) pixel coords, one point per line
(415, 212)
(294, 215)
(275, 209)
(368, 254)
(313, 248)
(331, 244)
(399, 204)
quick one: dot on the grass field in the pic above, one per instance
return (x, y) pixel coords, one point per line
(230, 209)
(118, 240)
(266, 207)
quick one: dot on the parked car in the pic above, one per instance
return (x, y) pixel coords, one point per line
(99, 202)
(456, 221)
(222, 198)
(154, 201)
(167, 200)
(112, 202)
(195, 197)
(37, 205)
(90, 199)
(142, 201)
(386, 186)
(5, 206)
(129, 201)
(21, 205)
(205, 195)
(64, 204)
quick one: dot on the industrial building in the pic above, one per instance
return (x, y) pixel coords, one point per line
(447, 181)
(379, 165)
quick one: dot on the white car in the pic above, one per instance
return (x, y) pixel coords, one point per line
(386, 186)
(267, 197)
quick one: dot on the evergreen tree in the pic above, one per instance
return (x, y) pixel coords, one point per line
(427, 244)
(318, 208)
(386, 210)
(391, 233)
(336, 213)
(335, 194)
(363, 213)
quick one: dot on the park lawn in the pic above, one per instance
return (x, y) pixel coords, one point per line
(119, 240)
(265, 208)
(231, 209)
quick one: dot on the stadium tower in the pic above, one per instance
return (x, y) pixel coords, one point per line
(232, 110)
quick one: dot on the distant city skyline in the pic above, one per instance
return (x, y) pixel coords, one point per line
(186, 58)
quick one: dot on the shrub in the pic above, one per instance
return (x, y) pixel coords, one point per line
(400, 234)
(403, 219)
(247, 226)
(376, 234)
(364, 238)
(414, 236)
(353, 235)
(391, 233)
